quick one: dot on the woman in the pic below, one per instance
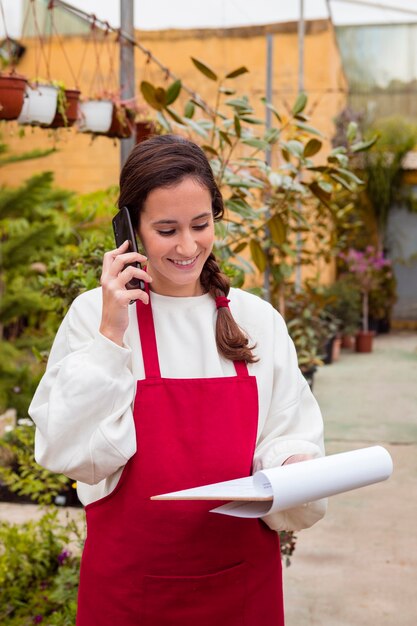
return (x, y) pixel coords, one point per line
(197, 383)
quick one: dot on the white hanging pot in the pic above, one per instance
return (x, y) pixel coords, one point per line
(39, 105)
(96, 116)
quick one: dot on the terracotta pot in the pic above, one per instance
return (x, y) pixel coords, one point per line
(121, 126)
(39, 105)
(72, 97)
(348, 341)
(336, 346)
(144, 130)
(364, 341)
(12, 92)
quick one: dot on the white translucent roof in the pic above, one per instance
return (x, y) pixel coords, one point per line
(160, 14)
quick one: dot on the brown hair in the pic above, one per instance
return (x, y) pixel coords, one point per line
(164, 161)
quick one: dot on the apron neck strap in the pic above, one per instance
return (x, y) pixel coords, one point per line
(148, 339)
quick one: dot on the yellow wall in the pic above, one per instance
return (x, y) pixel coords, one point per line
(85, 164)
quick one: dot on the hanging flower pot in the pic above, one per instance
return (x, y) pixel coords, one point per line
(122, 122)
(364, 340)
(12, 92)
(39, 105)
(67, 108)
(144, 129)
(95, 116)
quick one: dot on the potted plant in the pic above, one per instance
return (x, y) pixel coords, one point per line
(344, 301)
(381, 301)
(96, 115)
(108, 115)
(306, 330)
(39, 104)
(366, 265)
(122, 122)
(145, 128)
(67, 107)
(12, 92)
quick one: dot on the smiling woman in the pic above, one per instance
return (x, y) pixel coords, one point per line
(197, 383)
(177, 231)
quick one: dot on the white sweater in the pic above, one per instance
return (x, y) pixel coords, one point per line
(83, 405)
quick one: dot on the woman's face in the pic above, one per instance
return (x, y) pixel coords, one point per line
(177, 231)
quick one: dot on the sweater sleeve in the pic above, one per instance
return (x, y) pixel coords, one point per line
(82, 406)
(293, 425)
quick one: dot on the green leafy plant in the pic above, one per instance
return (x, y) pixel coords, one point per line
(22, 475)
(383, 168)
(344, 302)
(38, 573)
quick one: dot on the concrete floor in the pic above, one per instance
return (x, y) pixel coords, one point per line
(358, 566)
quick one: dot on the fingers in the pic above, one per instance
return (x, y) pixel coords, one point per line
(297, 458)
(132, 272)
(115, 260)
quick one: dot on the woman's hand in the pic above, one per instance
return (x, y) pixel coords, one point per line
(116, 297)
(296, 458)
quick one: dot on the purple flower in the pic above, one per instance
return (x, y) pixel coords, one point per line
(62, 557)
(38, 619)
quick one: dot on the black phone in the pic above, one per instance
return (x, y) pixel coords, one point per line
(123, 229)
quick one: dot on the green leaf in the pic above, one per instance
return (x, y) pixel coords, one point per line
(251, 120)
(196, 127)
(272, 135)
(271, 108)
(308, 129)
(258, 255)
(342, 181)
(240, 247)
(237, 125)
(352, 131)
(173, 92)
(204, 69)
(149, 92)
(225, 137)
(241, 104)
(285, 154)
(256, 143)
(238, 72)
(312, 147)
(210, 149)
(362, 146)
(240, 206)
(175, 116)
(189, 109)
(277, 229)
(227, 91)
(300, 104)
(161, 96)
(164, 122)
(322, 194)
(294, 147)
(349, 174)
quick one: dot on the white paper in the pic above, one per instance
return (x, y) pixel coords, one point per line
(288, 486)
(240, 489)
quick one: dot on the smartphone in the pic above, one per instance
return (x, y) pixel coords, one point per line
(123, 229)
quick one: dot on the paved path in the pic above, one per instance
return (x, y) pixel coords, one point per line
(358, 567)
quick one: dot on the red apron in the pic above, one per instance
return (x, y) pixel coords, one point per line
(167, 563)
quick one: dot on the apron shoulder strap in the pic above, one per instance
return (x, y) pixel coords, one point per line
(241, 368)
(148, 339)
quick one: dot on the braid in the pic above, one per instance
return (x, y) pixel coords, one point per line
(230, 339)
